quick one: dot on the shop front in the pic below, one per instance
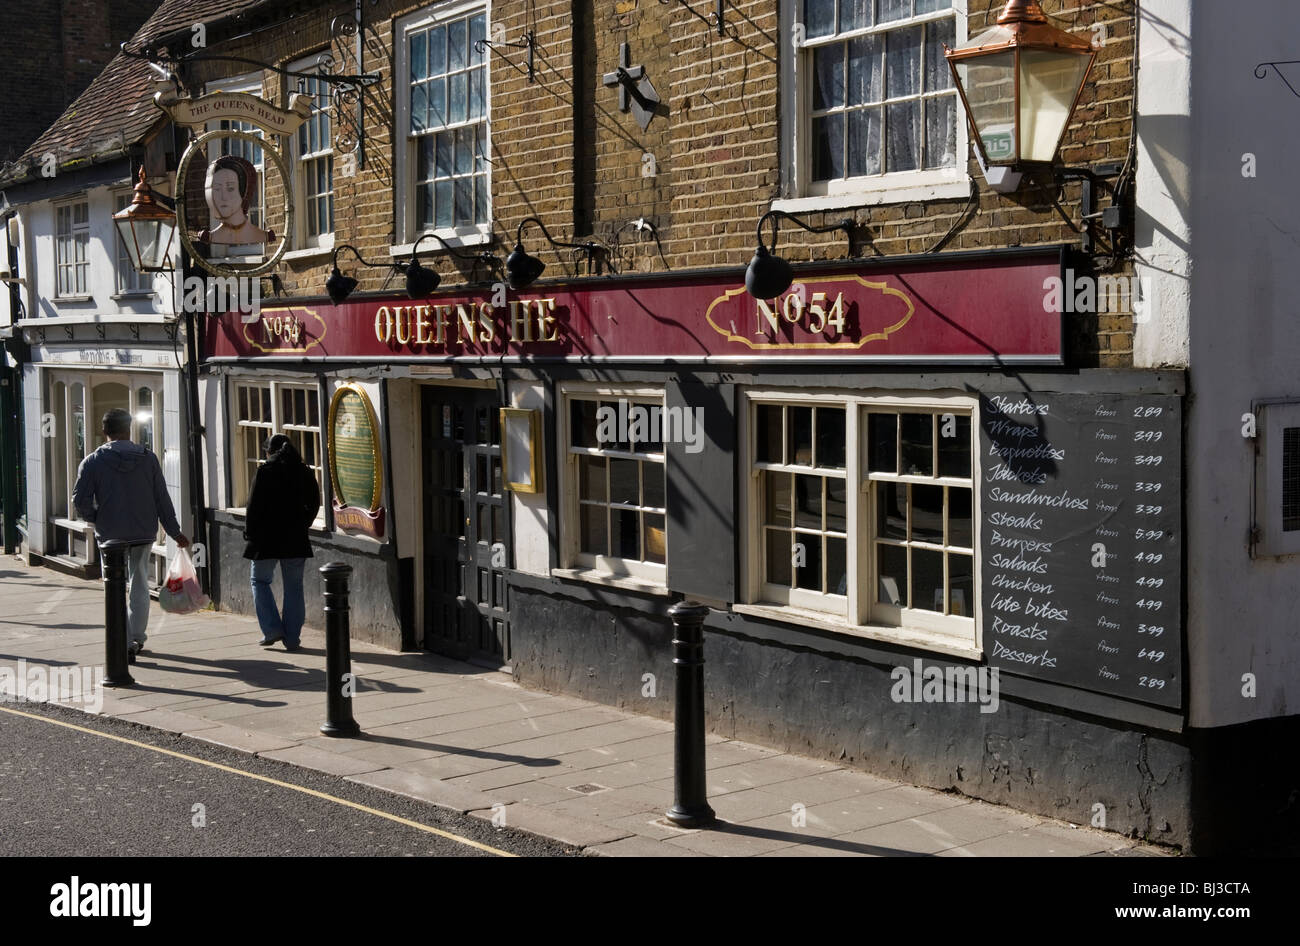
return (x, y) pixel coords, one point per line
(932, 548)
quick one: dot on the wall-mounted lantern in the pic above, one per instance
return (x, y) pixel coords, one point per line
(147, 229)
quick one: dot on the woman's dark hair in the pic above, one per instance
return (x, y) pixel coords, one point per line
(281, 446)
(245, 173)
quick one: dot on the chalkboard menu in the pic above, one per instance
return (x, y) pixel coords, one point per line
(1081, 509)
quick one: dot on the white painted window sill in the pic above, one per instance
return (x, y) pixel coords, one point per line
(952, 646)
(478, 238)
(949, 189)
(311, 252)
(626, 582)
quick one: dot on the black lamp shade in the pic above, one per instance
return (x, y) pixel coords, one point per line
(522, 270)
(339, 286)
(420, 281)
(768, 275)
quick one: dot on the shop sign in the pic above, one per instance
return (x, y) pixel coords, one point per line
(972, 309)
(356, 462)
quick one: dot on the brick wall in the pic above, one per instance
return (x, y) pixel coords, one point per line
(562, 151)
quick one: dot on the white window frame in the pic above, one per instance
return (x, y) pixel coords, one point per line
(404, 145)
(584, 565)
(65, 250)
(251, 83)
(242, 479)
(798, 193)
(1274, 420)
(856, 613)
(302, 240)
(130, 281)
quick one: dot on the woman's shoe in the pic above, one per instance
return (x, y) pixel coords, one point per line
(292, 647)
(268, 641)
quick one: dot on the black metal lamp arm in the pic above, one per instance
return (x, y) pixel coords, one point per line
(357, 254)
(490, 259)
(589, 248)
(846, 225)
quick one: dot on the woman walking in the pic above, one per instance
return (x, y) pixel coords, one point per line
(282, 504)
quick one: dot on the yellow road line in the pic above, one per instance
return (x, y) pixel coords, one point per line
(265, 778)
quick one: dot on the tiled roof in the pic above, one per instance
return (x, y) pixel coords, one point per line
(117, 109)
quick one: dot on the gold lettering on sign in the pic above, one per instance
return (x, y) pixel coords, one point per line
(487, 324)
(465, 324)
(402, 313)
(546, 323)
(383, 324)
(524, 321)
(440, 313)
(813, 314)
(282, 328)
(422, 325)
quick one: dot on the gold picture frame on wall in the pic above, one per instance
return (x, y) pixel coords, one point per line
(521, 453)
(356, 443)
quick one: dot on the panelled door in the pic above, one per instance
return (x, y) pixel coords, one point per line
(465, 532)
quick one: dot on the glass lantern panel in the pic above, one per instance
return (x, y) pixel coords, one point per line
(1049, 84)
(988, 82)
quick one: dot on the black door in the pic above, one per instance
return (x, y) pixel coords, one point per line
(465, 545)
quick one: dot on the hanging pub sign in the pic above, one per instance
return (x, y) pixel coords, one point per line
(222, 166)
(355, 461)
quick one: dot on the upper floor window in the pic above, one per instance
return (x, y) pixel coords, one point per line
(71, 248)
(443, 175)
(129, 279)
(873, 106)
(314, 165)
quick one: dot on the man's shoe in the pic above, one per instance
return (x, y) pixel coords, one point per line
(268, 641)
(291, 648)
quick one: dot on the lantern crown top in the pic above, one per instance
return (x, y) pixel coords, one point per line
(1022, 11)
(143, 204)
(1023, 23)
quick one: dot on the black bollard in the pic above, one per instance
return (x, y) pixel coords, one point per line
(690, 793)
(338, 652)
(113, 552)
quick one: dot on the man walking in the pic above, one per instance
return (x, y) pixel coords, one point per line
(121, 490)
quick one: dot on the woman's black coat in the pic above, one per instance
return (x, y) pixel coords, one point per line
(281, 506)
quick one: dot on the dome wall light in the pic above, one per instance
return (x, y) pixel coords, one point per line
(523, 269)
(421, 281)
(339, 286)
(768, 275)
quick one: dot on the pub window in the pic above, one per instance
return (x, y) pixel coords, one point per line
(265, 408)
(71, 248)
(615, 484)
(862, 513)
(313, 155)
(872, 105)
(444, 179)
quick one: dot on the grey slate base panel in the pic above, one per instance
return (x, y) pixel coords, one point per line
(1025, 755)
(374, 590)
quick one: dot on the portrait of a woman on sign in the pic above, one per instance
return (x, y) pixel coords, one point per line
(230, 187)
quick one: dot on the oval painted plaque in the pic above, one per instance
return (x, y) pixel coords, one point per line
(355, 464)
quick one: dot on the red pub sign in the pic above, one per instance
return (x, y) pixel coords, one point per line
(977, 308)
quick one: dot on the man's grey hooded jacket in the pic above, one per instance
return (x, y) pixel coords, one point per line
(120, 488)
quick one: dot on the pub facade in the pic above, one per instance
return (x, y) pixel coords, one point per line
(933, 489)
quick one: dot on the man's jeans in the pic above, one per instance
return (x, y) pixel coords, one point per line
(274, 624)
(137, 596)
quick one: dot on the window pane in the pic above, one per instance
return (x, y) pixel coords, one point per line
(959, 517)
(809, 574)
(480, 199)
(776, 504)
(927, 580)
(456, 43)
(837, 566)
(836, 505)
(769, 433)
(437, 96)
(830, 437)
(446, 155)
(918, 444)
(930, 6)
(594, 537)
(894, 9)
(624, 482)
(903, 62)
(828, 147)
(882, 443)
(864, 142)
(904, 136)
(477, 31)
(854, 14)
(458, 98)
(582, 423)
(927, 513)
(419, 56)
(591, 478)
(819, 17)
(627, 533)
(954, 451)
(891, 510)
(937, 74)
(652, 486)
(442, 199)
(655, 544)
(779, 555)
(865, 83)
(800, 448)
(891, 575)
(437, 51)
(465, 150)
(961, 594)
(808, 501)
(828, 77)
(940, 132)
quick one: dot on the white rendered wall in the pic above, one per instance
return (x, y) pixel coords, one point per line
(532, 525)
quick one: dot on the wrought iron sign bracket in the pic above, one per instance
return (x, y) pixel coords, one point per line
(1112, 218)
(529, 42)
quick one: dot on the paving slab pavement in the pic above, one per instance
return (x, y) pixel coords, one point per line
(454, 735)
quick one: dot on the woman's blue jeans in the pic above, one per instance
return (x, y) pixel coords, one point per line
(274, 623)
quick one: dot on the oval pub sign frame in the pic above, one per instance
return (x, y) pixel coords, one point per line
(351, 446)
